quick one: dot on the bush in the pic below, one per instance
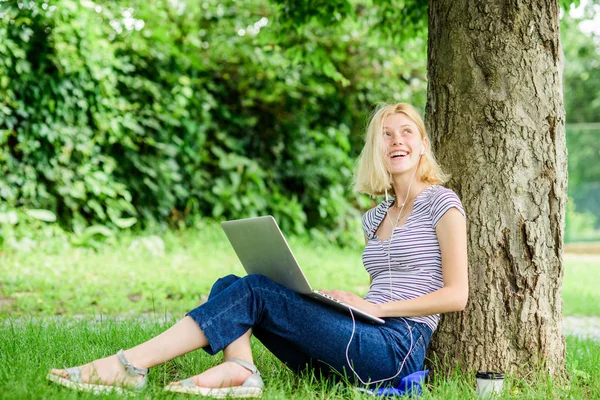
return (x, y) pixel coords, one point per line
(168, 110)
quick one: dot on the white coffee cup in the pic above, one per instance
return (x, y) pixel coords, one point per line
(489, 383)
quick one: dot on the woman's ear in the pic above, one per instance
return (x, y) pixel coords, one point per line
(424, 146)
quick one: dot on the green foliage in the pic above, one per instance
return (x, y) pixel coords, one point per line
(393, 21)
(582, 69)
(166, 110)
(584, 177)
(402, 19)
(54, 95)
(579, 225)
(25, 230)
(566, 4)
(584, 153)
(325, 12)
(582, 105)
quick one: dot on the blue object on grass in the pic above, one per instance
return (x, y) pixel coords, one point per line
(409, 385)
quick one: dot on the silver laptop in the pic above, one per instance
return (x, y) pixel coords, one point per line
(262, 249)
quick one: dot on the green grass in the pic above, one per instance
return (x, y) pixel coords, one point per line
(117, 280)
(581, 293)
(56, 280)
(51, 296)
(26, 355)
(583, 369)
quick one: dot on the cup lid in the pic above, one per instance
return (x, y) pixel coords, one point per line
(489, 375)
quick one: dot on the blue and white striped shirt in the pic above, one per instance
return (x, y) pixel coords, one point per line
(415, 257)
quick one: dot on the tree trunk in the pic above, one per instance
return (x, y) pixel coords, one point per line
(496, 118)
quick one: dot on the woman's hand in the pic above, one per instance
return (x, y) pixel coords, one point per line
(354, 300)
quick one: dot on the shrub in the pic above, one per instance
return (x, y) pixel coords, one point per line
(172, 109)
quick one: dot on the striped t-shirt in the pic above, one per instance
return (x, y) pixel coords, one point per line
(414, 253)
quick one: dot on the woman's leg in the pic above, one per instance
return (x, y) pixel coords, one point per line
(181, 338)
(317, 332)
(224, 323)
(227, 374)
(186, 336)
(304, 333)
(283, 349)
(291, 355)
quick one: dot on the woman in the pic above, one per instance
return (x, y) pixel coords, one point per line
(415, 254)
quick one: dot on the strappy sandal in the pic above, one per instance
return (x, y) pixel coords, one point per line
(74, 381)
(252, 387)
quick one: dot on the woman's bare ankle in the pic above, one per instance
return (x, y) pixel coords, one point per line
(226, 374)
(136, 361)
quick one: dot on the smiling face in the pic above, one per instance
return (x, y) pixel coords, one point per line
(403, 136)
(402, 143)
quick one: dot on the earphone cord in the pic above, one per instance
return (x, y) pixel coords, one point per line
(394, 229)
(391, 299)
(380, 380)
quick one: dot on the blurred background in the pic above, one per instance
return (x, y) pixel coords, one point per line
(160, 114)
(580, 34)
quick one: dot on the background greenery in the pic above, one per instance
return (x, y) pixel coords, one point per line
(167, 110)
(162, 112)
(582, 106)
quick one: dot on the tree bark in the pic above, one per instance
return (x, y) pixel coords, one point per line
(496, 118)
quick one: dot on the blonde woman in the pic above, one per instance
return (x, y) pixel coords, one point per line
(415, 254)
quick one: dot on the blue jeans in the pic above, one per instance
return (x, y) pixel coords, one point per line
(306, 334)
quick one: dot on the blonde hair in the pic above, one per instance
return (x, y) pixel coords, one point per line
(372, 176)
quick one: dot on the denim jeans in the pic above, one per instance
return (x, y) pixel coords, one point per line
(306, 334)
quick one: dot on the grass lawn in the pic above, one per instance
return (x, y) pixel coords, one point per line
(26, 355)
(581, 293)
(57, 290)
(128, 279)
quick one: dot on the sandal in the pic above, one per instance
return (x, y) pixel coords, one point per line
(252, 387)
(74, 381)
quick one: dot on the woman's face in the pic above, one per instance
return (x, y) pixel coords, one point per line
(402, 143)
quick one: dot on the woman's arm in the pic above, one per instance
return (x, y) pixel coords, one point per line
(452, 235)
